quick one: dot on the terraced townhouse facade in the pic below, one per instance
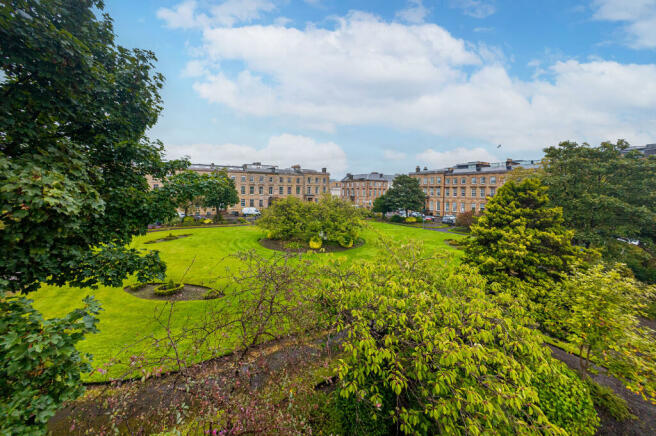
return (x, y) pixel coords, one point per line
(363, 189)
(259, 185)
(466, 186)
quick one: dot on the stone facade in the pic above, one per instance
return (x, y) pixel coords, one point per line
(259, 185)
(363, 189)
(467, 186)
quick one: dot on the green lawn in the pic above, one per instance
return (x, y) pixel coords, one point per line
(126, 318)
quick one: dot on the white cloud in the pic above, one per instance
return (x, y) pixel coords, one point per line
(474, 8)
(442, 159)
(228, 13)
(420, 77)
(414, 13)
(639, 17)
(394, 155)
(283, 150)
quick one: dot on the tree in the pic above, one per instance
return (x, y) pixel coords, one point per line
(219, 191)
(466, 219)
(429, 348)
(74, 108)
(406, 194)
(521, 236)
(606, 194)
(383, 205)
(186, 189)
(598, 310)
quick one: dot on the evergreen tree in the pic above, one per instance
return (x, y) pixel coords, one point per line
(521, 236)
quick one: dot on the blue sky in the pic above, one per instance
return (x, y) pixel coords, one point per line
(388, 85)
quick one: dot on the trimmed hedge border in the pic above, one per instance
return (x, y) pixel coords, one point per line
(163, 292)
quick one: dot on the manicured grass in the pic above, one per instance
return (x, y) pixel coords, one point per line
(206, 255)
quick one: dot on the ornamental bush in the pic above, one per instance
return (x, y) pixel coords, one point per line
(411, 220)
(452, 359)
(396, 219)
(315, 242)
(167, 289)
(331, 220)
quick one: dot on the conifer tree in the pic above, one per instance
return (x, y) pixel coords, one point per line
(521, 236)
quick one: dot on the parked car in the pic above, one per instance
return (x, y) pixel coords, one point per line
(250, 211)
(429, 218)
(416, 214)
(449, 219)
(181, 214)
(234, 213)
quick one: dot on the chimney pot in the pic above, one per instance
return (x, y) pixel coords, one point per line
(323, 170)
(418, 169)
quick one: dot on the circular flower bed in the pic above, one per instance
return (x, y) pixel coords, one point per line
(182, 292)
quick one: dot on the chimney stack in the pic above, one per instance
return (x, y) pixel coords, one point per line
(418, 169)
(323, 170)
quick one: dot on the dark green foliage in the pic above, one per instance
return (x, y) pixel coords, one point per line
(565, 399)
(604, 398)
(405, 194)
(383, 204)
(606, 194)
(39, 365)
(219, 191)
(521, 236)
(73, 155)
(397, 219)
(360, 417)
(185, 189)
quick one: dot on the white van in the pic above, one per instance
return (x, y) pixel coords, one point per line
(250, 211)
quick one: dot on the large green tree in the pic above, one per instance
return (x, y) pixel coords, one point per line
(606, 193)
(219, 191)
(74, 108)
(383, 204)
(406, 194)
(521, 236)
(186, 189)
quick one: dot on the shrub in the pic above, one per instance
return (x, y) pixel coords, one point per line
(466, 219)
(396, 219)
(331, 219)
(169, 288)
(207, 221)
(188, 221)
(566, 400)
(345, 242)
(40, 367)
(436, 341)
(242, 220)
(211, 294)
(295, 245)
(315, 242)
(411, 219)
(218, 218)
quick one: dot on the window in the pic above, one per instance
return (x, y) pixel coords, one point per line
(424, 191)
(454, 207)
(298, 190)
(270, 190)
(438, 180)
(482, 192)
(243, 202)
(282, 179)
(310, 191)
(316, 189)
(289, 179)
(251, 190)
(431, 180)
(281, 190)
(482, 207)
(473, 180)
(492, 190)
(243, 189)
(446, 206)
(482, 180)
(447, 191)
(261, 179)
(463, 193)
(261, 203)
(260, 190)
(432, 192)
(325, 180)
(447, 181)
(324, 189)
(455, 192)
(270, 179)
(493, 180)
(251, 203)
(473, 192)
(455, 181)
(437, 206)
(473, 207)
(252, 179)
(233, 178)
(463, 181)
(438, 191)
(462, 207)
(289, 190)
(425, 181)
(243, 178)
(316, 180)
(309, 179)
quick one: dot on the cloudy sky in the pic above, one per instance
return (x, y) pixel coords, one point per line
(387, 85)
